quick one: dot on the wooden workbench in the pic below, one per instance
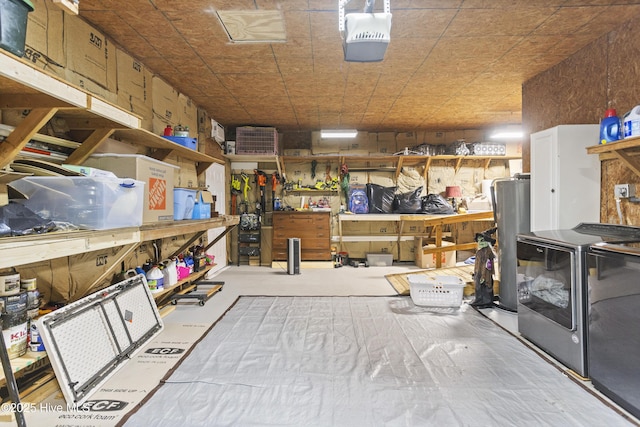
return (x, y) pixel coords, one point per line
(434, 222)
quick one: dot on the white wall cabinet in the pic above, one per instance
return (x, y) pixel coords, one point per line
(565, 180)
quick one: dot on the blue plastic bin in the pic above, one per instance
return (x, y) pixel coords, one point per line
(184, 200)
(185, 141)
(201, 210)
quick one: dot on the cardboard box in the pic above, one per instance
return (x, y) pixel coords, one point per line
(90, 86)
(44, 45)
(324, 146)
(158, 178)
(188, 114)
(186, 176)
(386, 143)
(448, 258)
(89, 53)
(164, 100)
(134, 87)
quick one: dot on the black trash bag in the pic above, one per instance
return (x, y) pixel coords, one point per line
(380, 198)
(435, 204)
(483, 270)
(408, 203)
(17, 220)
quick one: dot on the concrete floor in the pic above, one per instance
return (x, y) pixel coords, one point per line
(249, 280)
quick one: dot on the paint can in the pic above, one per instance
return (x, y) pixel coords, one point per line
(33, 303)
(29, 284)
(9, 284)
(14, 323)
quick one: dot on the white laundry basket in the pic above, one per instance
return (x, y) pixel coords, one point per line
(438, 291)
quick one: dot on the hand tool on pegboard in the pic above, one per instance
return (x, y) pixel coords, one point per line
(275, 178)
(235, 190)
(245, 191)
(261, 180)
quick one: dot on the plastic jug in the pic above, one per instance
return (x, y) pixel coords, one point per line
(610, 127)
(632, 122)
(155, 279)
(170, 272)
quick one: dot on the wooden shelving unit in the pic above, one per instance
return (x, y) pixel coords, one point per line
(46, 96)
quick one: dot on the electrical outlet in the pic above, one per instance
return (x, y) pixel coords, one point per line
(624, 191)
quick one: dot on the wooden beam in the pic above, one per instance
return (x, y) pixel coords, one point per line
(90, 123)
(88, 146)
(201, 167)
(399, 166)
(458, 164)
(27, 101)
(630, 162)
(16, 141)
(161, 154)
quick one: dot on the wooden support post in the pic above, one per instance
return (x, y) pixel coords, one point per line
(17, 140)
(89, 145)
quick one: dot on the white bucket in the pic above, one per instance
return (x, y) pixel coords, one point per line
(9, 284)
(631, 121)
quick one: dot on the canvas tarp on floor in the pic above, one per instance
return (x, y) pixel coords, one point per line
(365, 361)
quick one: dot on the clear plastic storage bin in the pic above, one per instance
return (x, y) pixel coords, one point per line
(438, 291)
(93, 203)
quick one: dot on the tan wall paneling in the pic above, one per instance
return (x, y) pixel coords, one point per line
(578, 90)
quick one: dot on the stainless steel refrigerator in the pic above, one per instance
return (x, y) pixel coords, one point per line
(511, 208)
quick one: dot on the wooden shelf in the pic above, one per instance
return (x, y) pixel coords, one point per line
(46, 96)
(24, 87)
(20, 250)
(186, 281)
(625, 150)
(434, 222)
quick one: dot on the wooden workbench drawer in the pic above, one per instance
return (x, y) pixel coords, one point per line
(312, 228)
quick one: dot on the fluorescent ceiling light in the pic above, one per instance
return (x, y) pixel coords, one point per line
(507, 133)
(338, 133)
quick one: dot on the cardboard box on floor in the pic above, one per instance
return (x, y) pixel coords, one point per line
(448, 259)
